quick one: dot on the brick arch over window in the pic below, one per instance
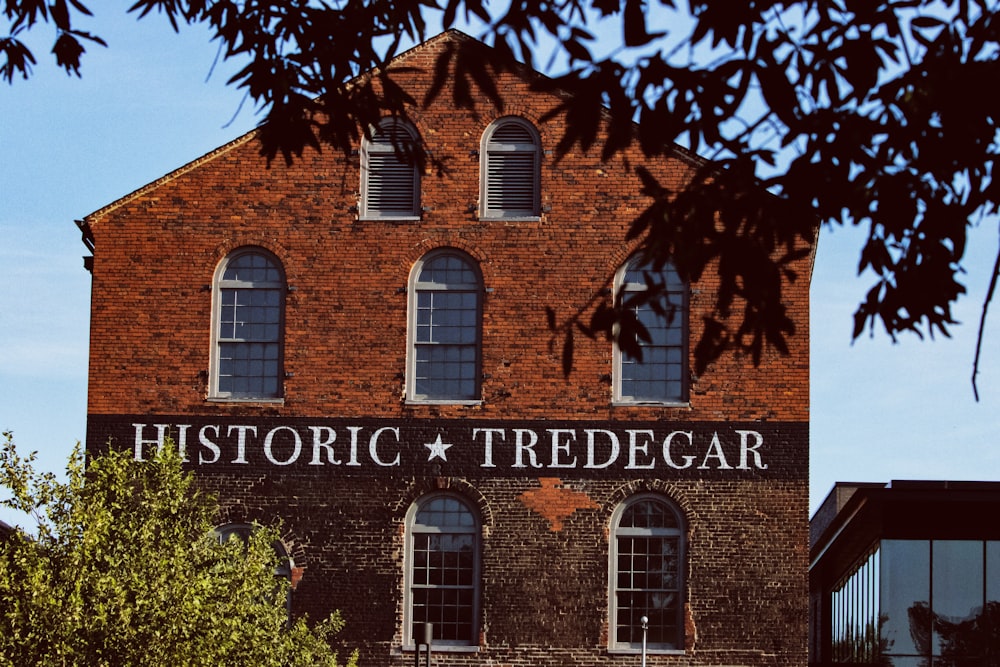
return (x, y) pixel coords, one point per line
(510, 170)
(248, 309)
(390, 172)
(295, 547)
(455, 485)
(243, 531)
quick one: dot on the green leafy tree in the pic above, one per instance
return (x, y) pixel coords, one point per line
(853, 112)
(123, 568)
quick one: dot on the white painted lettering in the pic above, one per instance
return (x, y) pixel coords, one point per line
(668, 456)
(559, 447)
(208, 444)
(715, 452)
(323, 438)
(296, 445)
(615, 448)
(746, 449)
(182, 437)
(635, 447)
(241, 441)
(161, 430)
(373, 445)
(520, 448)
(488, 445)
(353, 461)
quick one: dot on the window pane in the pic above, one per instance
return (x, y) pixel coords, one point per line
(957, 588)
(658, 375)
(446, 330)
(444, 544)
(993, 572)
(249, 327)
(647, 574)
(905, 597)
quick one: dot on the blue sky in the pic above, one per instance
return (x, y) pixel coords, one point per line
(147, 105)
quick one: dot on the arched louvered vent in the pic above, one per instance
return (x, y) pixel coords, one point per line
(511, 170)
(390, 176)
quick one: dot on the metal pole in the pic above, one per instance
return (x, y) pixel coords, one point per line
(645, 626)
(428, 637)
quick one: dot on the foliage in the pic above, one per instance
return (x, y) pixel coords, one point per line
(123, 569)
(863, 112)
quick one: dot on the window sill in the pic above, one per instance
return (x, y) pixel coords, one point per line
(442, 648)
(510, 218)
(245, 401)
(442, 401)
(389, 218)
(624, 403)
(649, 651)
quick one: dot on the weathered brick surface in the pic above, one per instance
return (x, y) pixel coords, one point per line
(545, 546)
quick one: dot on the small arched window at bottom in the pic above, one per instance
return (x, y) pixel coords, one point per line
(647, 575)
(243, 531)
(442, 578)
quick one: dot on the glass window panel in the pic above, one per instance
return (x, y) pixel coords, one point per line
(250, 313)
(659, 374)
(993, 572)
(957, 592)
(958, 578)
(446, 335)
(647, 577)
(905, 597)
(443, 577)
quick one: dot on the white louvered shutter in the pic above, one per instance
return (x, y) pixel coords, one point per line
(392, 185)
(511, 179)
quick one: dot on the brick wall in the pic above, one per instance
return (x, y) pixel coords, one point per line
(545, 544)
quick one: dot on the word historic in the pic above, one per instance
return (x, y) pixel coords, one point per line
(570, 446)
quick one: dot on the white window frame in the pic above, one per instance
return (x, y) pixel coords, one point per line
(676, 290)
(220, 285)
(389, 160)
(678, 532)
(415, 344)
(497, 149)
(412, 529)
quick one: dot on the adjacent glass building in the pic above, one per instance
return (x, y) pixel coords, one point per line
(906, 575)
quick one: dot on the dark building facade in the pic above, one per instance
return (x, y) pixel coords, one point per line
(360, 349)
(906, 574)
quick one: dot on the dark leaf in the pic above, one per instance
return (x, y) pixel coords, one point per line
(634, 24)
(68, 50)
(18, 59)
(567, 353)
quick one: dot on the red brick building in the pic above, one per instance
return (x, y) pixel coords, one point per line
(359, 348)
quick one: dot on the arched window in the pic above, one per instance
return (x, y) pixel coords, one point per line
(445, 311)
(390, 174)
(647, 574)
(249, 311)
(242, 531)
(283, 566)
(442, 573)
(651, 363)
(510, 170)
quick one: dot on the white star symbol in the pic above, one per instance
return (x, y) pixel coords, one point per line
(437, 449)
